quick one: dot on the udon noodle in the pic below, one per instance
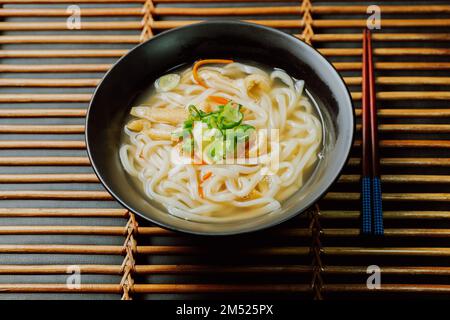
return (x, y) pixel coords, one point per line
(259, 99)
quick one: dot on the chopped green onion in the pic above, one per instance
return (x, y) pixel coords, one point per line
(224, 128)
(195, 113)
(188, 145)
(231, 116)
(215, 150)
(167, 82)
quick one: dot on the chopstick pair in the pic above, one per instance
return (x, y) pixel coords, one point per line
(372, 211)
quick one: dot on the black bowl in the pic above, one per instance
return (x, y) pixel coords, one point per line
(138, 69)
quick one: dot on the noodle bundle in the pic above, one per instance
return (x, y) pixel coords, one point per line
(222, 96)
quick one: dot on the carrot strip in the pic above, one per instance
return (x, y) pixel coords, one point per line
(206, 61)
(200, 192)
(206, 176)
(219, 100)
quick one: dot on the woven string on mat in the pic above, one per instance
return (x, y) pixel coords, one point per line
(128, 265)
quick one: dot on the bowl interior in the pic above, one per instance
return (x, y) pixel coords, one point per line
(241, 41)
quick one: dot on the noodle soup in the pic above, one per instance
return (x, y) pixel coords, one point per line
(222, 141)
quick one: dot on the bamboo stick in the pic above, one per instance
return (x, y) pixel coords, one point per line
(429, 95)
(28, 68)
(202, 269)
(49, 178)
(392, 197)
(356, 37)
(156, 269)
(61, 288)
(157, 288)
(61, 248)
(55, 12)
(44, 161)
(294, 232)
(154, 250)
(390, 232)
(331, 270)
(45, 97)
(66, 230)
(63, 129)
(199, 1)
(396, 288)
(419, 128)
(169, 24)
(78, 53)
(41, 144)
(412, 162)
(417, 162)
(394, 215)
(391, 251)
(63, 212)
(410, 113)
(343, 66)
(386, 51)
(361, 23)
(95, 230)
(321, 9)
(329, 8)
(185, 11)
(358, 9)
(85, 25)
(220, 288)
(78, 1)
(392, 270)
(402, 80)
(59, 269)
(184, 250)
(42, 113)
(155, 231)
(421, 95)
(410, 143)
(54, 195)
(399, 178)
(118, 231)
(27, 82)
(19, 39)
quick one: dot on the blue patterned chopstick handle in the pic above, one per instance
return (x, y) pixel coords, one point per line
(377, 208)
(366, 226)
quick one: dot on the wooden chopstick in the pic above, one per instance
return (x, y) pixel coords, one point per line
(366, 188)
(372, 211)
(377, 208)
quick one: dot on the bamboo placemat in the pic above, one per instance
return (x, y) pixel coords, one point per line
(55, 217)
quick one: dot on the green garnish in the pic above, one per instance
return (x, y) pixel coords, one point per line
(167, 82)
(230, 116)
(226, 121)
(243, 132)
(226, 117)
